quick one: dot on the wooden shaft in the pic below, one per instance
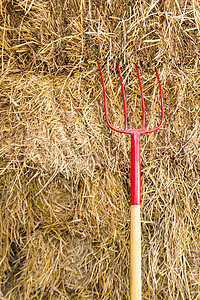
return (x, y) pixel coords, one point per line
(135, 254)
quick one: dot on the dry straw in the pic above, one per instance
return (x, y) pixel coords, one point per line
(64, 176)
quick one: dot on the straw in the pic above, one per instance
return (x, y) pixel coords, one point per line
(64, 233)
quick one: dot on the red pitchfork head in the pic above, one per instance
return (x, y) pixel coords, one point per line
(127, 130)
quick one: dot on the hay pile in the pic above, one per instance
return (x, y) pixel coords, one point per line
(65, 176)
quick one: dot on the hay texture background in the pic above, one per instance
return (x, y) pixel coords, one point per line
(64, 175)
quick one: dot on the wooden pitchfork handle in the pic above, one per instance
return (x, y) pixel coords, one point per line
(135, 254)
(135, 228)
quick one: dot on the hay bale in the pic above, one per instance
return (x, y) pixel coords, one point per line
(65, 176)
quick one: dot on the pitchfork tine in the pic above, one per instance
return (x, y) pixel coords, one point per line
(142, 96)
(105, 103)
(124, 100)
(104, 93)
(162, 107)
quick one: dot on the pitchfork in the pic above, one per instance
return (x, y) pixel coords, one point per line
(135, 226)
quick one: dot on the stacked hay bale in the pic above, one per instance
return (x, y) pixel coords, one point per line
(65, 176)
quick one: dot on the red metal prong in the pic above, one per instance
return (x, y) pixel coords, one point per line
(161, 99)
(104, 93)
(162, 107)
(105, 103)
(142, 96)
(124, 100)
